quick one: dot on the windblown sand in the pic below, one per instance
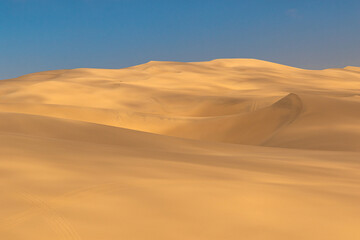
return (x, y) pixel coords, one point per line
(219, 150)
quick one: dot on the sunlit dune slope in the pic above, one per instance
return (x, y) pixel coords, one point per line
(242, 101)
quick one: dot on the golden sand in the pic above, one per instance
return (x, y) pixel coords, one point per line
(226, 149)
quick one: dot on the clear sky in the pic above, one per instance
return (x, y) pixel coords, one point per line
(38, 35)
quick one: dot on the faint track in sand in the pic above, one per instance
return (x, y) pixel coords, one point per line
(59, 224)
(56, 222)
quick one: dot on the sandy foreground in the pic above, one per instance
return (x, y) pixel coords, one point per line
(226, 149)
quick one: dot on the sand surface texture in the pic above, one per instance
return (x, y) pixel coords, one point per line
(226, 149)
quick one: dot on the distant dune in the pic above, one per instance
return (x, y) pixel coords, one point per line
(225, 149)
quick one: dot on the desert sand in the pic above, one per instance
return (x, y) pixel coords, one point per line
(226, 149)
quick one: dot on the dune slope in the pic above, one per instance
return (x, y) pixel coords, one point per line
(226, 149)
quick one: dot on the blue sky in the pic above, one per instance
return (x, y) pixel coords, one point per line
(38, 35)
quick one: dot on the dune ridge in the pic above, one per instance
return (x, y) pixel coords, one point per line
(225, 149)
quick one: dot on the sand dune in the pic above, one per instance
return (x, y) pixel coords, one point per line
(226, 149)
(235, 101)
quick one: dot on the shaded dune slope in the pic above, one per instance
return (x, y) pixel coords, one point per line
(238, 128)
